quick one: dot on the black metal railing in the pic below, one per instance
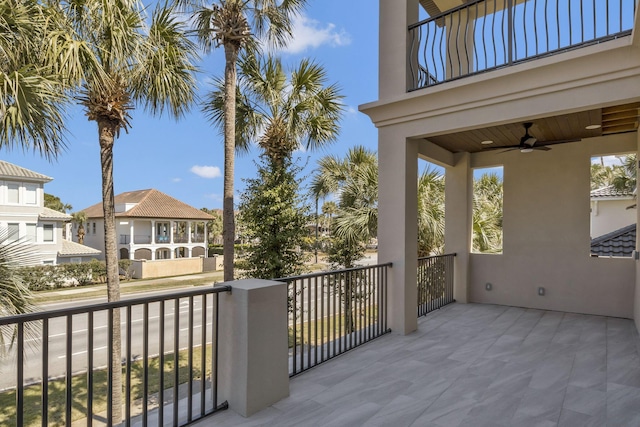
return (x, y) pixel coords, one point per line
(125, 239)
(435, 282)
(59, 361)
(483, 35)
(333, 312)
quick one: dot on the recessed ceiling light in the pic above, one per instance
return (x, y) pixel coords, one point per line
(487, 142)
(592, 127)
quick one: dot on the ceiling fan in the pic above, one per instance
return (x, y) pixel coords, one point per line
(527, 142)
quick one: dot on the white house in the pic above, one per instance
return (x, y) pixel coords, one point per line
(611, 210)
(23, 216)
(150, 225)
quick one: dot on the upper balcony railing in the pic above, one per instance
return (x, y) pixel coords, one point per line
(484, 35)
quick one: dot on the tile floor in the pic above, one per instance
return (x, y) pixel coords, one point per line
(473, 365)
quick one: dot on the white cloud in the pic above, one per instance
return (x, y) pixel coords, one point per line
(613, 160)
(176, 180)
(309, 33)
(206, 171)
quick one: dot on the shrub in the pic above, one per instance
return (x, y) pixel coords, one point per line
(80, 272)
(98, 270)
(42, 277)
(125, 268)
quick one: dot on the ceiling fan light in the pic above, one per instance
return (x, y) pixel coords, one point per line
(526, 150)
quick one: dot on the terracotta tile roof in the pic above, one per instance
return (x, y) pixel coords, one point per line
(610, 192)
(47, 213)
(151, 203)
(621, 242)
(76, 249)
(9, 170)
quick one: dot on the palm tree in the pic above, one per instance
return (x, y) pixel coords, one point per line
(80, 218)
(487, 214)
(40, 62)
(132, 65)
(430, 212)
(237, 25)
(15, 296)
(625, 176)
(355, 180)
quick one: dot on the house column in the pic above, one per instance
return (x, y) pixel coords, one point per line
(189, 231)
(398, 225)
(636, 302)
(457, 232)
(131, 233)
(153, 232)
(393, 70)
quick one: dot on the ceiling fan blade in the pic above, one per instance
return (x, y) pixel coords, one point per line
(542, 148)
(558, 141)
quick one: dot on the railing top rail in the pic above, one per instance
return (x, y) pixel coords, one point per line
(437, 256)
(324, 273)
(445, 13)
(91, 308)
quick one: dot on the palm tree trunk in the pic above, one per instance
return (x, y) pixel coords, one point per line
(107, 130)
(228, 221)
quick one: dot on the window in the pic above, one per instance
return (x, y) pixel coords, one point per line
(47, 233)
(31, 232)
(13, 232)
(13, 193)
(48, 262)
(93, 228)
(30, 194)
(487, 210)
(76, 260)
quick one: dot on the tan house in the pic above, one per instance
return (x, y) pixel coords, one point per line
(611, 210)
(480, 84)
(24, 216)
(150, 225)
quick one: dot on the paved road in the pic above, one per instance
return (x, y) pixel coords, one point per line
(58, 352)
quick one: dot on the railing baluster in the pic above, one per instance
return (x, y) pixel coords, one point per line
(190, 363)
(203, 355)
(145, 363)
(69, 371)
(45, 375)
(128, 363)
(161, 337)
(20, 375)
(90, 368)
(110, 366)
(176, 359)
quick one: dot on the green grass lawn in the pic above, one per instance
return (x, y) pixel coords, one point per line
(57, 390)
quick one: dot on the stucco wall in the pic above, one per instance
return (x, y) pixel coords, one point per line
(546, 237)
(143, 269)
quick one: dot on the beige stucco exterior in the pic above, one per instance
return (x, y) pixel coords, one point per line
(609, 215)
(546, 228)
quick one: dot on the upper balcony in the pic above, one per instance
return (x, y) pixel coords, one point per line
(484, 35)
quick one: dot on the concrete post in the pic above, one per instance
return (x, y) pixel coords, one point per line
(636, 301)
(457, 232)
(398, 226)
(254, 358)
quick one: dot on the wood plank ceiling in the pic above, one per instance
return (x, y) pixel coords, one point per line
(548, 131)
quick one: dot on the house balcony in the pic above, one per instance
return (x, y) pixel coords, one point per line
(484, 35)
(465, 365)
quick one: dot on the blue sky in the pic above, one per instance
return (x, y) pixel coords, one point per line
(185, 159)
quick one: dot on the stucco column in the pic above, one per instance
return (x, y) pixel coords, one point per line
(189, 231)
(636, 305)
(398, 226)
(457, 232)
(131, 233)
(254, 359)
(395, 17)
(153, 232)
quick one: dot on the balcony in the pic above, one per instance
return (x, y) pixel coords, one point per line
(466, 365)
(486, 35)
